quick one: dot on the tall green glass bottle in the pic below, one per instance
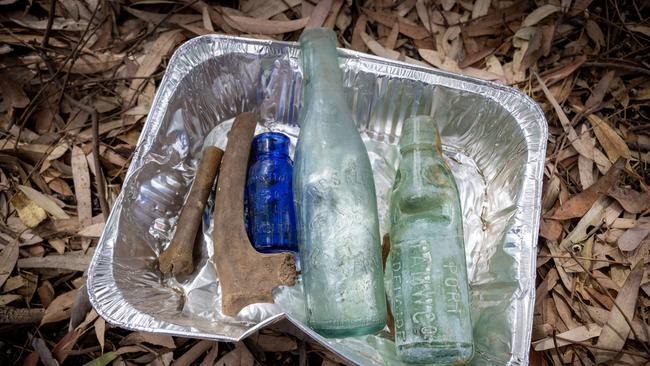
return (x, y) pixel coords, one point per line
(430, 301)
(336, 207)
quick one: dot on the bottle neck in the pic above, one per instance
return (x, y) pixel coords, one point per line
(321, 72)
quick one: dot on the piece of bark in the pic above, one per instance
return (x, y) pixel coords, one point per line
(246, 276)
(177, 258)
(11, 315)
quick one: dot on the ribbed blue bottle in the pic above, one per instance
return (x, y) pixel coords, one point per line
(270, 214)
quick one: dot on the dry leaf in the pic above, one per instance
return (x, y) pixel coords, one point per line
(60, 186)
(80, 308)
(550, 229)
(539, 14)
(391, 40)
(480, 8)
(95, 62)
(240, 356)
(579, 204)
(265, 9)
(46, 293)
(631, 238)
(189, 357)
(211, 357)
(644, 29)
(613, 144)
(8, 259)
(262, 26)
(62, 24)
(159, 49)
(44, 202)
(270, 343)
(13, 283)
(60, 308)
(564, 71)
(319, 14)
(92, 231)
(8, 299)
(100, 330)
(13, 95)
(359, 29)
(437, 59)
(616, 330)
(151, 338)
(594, 32)
(64, 346)
(580, 146)
(578, 334)
(406, 28)
(631, 200)
(58, 244)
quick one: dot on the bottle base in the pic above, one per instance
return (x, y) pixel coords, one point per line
(271, 250)
(438, 352)
(349, 332)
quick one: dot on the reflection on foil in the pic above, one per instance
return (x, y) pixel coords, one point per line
(494, 141)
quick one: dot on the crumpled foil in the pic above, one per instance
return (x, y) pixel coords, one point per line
(494, 139)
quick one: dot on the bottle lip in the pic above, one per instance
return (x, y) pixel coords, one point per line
(314, 34)
(419, 132)
(271, 143)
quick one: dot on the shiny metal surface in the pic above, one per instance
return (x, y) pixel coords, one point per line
(494, 139)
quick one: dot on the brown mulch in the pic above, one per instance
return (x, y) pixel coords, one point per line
(78, 77)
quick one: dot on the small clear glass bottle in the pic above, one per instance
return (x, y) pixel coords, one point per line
(270, 213)
(430, 299)
(336, 207)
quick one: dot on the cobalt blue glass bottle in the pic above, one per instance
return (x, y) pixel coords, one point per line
(270, 215)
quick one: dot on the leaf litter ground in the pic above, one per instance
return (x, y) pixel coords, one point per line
(78, 78)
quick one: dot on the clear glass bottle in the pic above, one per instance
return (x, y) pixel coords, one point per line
(430, 299)
(336, 207)
(270, 213)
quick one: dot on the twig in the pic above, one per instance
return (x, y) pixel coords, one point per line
(50, 21)
(638, 146)
(618, 66)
